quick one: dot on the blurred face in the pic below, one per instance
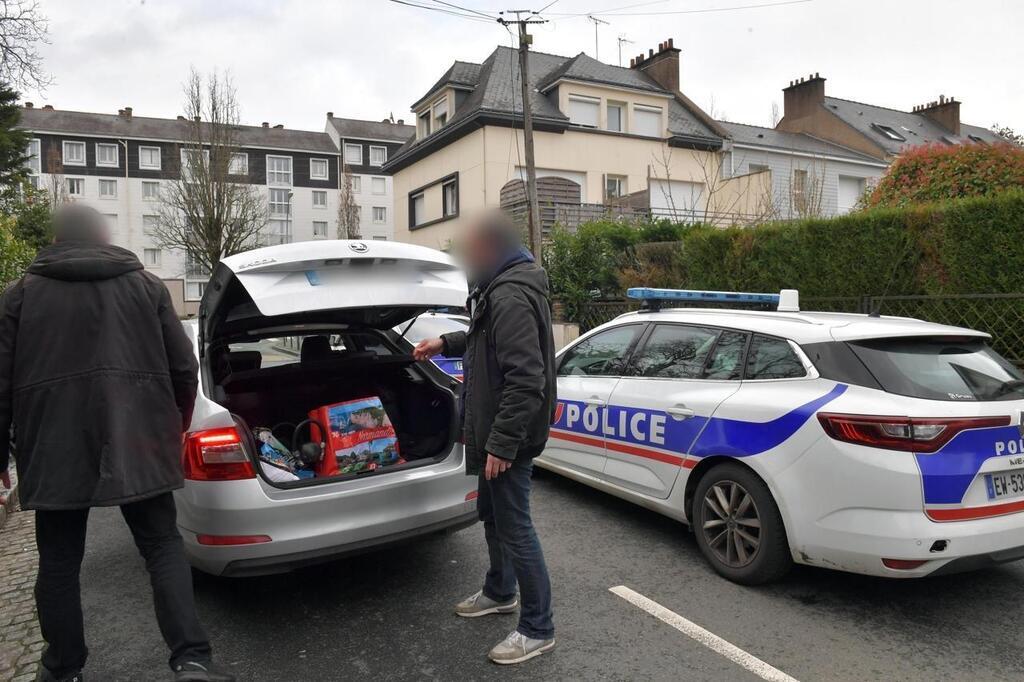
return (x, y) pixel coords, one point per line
(477, 253)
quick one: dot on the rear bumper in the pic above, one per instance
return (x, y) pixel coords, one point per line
(316, 523)
(280, 563)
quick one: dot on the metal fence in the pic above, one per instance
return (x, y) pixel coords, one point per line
(1001, 315)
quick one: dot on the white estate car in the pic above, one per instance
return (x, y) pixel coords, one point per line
(878, 445)
(281, 333)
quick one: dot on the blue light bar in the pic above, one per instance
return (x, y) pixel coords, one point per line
(648, 294)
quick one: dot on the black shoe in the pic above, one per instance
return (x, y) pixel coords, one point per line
(44, 675)
(195, 671)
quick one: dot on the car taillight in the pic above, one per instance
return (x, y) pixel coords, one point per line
(216, 455)
(910, 434)
(904, 564)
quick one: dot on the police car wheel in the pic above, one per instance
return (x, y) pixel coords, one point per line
(738, 526)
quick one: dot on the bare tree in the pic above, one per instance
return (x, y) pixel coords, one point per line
(348, 209)
(210, 211)
(22, 28)
(56, 184)
(1008, 134)
(775, 114)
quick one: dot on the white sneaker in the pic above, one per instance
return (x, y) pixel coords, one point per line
(479, 605)
(517, 648)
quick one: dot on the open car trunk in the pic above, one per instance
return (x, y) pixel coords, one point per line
(296, 342)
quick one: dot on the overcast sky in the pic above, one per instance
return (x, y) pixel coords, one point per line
(294, 60)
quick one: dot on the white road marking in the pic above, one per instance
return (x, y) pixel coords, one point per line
(705, 637)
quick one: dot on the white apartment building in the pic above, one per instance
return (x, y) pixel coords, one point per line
(365, 146)
(119, 164)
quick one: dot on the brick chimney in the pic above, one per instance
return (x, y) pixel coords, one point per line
(330, 114)
(279, 126)
(803, 96)
(125, 113)
(662, 66)
(266, 124)
(400, 122)
(29, 105)
(47, 107)
(945, 112)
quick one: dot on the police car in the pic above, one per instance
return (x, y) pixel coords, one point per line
(879, 445)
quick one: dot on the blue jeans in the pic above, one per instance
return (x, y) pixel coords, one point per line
(514, 549)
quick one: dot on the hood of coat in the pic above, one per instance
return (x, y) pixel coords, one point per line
(525, 273)
(83, 262)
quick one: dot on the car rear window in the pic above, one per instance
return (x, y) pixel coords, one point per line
(940, 369)
(430, 326)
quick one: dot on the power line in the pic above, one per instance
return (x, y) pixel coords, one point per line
(617, 11)
(467, 9)
(442, 10)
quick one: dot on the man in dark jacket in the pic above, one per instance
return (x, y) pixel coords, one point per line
(99, 380)
(508, 402)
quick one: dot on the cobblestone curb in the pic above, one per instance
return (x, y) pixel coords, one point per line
(20, 639)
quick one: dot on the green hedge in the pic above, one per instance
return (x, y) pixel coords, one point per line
(963, 246)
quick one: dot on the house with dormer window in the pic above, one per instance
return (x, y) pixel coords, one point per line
(607, 140)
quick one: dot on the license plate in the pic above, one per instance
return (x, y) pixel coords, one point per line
(1003, 484)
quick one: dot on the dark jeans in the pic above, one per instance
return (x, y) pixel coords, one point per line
(60, 537)
(516, 556)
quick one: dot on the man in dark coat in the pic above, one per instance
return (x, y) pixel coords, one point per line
(508, 402)
(99, 380)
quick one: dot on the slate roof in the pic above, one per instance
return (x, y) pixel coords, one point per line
(498, 91)
(758, 136)
(146, 128)
(459, 75)
(352, 128)
(917, 128)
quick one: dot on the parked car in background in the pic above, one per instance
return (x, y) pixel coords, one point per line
(430, 325)
(240, 516)
(878, 445)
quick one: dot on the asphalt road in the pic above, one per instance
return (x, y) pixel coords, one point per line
(387, 615)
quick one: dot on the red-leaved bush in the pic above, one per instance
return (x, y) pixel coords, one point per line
(932, 173)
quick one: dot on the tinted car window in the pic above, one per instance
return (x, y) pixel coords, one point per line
(772, 358)
(726, 360)
(941, 369)
(600, 355)
(674, 351)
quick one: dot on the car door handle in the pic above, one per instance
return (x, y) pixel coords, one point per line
(680, 412)
(594, 400)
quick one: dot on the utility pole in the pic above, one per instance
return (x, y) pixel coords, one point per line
(596, 23)
(622, 41)
(533, 205)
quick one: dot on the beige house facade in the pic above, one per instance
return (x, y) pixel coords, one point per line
(608, 140)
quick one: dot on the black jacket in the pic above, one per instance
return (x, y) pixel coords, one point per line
(508, 352)
(98, 377)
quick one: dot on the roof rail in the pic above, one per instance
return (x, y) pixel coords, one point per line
(787, 300)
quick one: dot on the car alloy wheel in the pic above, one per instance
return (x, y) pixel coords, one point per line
(731, 524)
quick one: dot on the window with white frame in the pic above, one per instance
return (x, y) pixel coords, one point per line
(195, 268)
(417, 208)
(75, 186)
(74, 153)
(647, 121)
(279, 170)
(194, 290)
(191, 158)
(354, 154)
(108, 189)
(378, 155)
(150, 223)
(239, 164)
(616, 116)
(614, 186)
(380, 215)
(106, 155)
(280, 202)
(378, 185)
(319, 198)
(357, 184)
(34, 161)
(279, 232)
(151, 257)
(423, 124)
(149, 158)
(318, 169)
(150, 190)
(584, 111)
(450, 197)
(440, 113)
(319, 228)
